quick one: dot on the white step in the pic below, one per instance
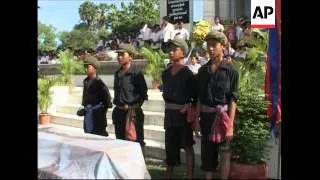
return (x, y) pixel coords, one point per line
(151, 132)
(150, 118)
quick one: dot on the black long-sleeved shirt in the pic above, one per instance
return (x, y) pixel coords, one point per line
(219, 87)
(180, 88)
(130, 87)
(95, 92)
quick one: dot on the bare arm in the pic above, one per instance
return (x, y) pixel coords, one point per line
(232, 111)
(233, 97)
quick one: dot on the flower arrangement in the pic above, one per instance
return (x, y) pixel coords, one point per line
(200, 31)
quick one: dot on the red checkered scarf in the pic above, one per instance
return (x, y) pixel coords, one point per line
(220, 125)
(192, 116)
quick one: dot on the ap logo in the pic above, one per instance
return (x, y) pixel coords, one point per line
(263, 13)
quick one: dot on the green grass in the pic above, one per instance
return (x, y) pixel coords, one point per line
(157, 169)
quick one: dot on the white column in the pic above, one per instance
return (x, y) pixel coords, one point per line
(233, 10)
(163, 9)
(224, 9)
(247, 8)
(209, 10)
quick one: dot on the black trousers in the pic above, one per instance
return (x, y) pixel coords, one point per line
(177, 138)
(119, 121)
(209, 150)
(178, 135)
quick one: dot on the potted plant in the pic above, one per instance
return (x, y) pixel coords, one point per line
(155, 65)
(250, 146)
(44, 99)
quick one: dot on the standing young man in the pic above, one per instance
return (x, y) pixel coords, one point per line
(182, 32)
(218, 85)
(217, 26)
(96, 99)
(130, 91)
(155, 37)
(179, 93)
(167, 31)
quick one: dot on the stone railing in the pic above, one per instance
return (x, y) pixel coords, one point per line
(106, 67)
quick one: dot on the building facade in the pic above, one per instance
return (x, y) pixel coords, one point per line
(226, 9)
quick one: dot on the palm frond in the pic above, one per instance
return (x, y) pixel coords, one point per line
(68, 66)
(155, 62)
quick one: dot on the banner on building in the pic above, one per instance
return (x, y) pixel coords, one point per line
(178, 10)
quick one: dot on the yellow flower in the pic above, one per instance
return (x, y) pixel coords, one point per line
(201, 30)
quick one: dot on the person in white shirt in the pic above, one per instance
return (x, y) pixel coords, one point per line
(194, 66)
(239, 32)
(155, 37)
(216, 25)
(181, 32)
(229, 50)
(146, 33)
(167, 34)
(140, 38)
(205, 58)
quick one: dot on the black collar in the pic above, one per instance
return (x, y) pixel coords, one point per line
(223, 65)
(131, 70)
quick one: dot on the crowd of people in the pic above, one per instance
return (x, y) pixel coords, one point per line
(47, 57)
(158, 36)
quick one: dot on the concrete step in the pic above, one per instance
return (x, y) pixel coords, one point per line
(108, 79)
(150, 118)
(152, 149)
(155, 102)
(150, 105)
(152, 93)
(151, 132)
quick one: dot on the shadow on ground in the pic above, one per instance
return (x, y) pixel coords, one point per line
(157, 167)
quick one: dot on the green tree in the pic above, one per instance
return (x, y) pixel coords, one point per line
(82, 39)
(252, 70)
(47, 37)
(63, 37)
(103, 17)
(103, 33)
(81, 26)
(131, 18)
(95, 16)
(88, 12)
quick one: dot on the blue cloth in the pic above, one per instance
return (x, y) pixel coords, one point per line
(274, 60)
(88, 118)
